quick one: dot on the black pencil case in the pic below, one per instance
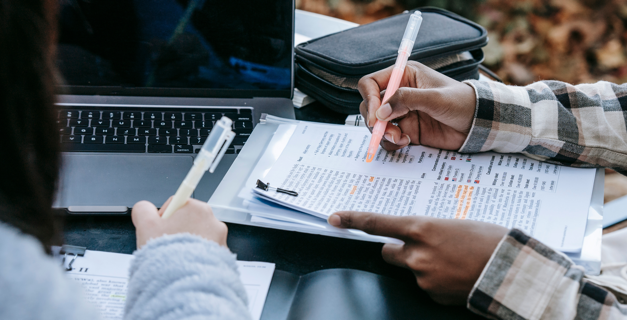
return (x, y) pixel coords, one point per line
(328, 68)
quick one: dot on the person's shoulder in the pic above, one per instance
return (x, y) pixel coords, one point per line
(33, 284)
(17, 250)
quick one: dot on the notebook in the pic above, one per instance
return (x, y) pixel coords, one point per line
(325, 164)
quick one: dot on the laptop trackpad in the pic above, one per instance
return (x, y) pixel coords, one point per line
(119, 180)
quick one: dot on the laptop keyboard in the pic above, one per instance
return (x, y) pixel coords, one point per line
(147, 131)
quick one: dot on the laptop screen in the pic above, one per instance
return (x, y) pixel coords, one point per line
(204, 48)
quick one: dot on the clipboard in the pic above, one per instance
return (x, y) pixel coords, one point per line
(254, 161)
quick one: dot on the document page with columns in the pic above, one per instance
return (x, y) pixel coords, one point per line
(326, 165)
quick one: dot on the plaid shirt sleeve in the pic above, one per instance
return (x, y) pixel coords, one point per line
(525, 279)
(581, 126)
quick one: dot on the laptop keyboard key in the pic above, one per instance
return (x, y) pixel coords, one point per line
(130, 115)
(71, 139)
(178, 140)
(157, 116)
(79, 123)
(124, 148)
(104, 131)
(204, 132)
(157, 140)
(213, 116)
(163, 124)
(240, 141)
(114, 140)
(193, 116)
(100, 123)
(136, 140)
(126, 132)
(147, 132)
(183, 124)
(90, 115)
(188, 132)
(173, 116)
(142, 123)
(243, 117)
(198, 140)
(122, 123)
(94, 139)
(69, 114)
(181, 148)
(111, 115)
(204, 124)
(231, 115)
(83, 130)
(157, 148)
(167, 132)
(244, 126)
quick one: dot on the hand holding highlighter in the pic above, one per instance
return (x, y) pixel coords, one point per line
(407, 44)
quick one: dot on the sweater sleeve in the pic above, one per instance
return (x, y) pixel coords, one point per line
(525, 279)
(33, 285)
(581, 126)
(185, 277)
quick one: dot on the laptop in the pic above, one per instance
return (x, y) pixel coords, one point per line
(144, 81)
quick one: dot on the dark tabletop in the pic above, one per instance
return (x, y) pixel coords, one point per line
(294, 252)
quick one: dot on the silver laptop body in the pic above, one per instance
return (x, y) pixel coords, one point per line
(142, 90)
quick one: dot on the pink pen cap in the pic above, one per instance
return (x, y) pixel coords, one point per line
(407, 44)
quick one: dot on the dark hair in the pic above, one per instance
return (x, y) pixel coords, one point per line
(30, 155)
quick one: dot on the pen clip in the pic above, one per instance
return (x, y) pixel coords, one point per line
(266, 187)
(228, 138)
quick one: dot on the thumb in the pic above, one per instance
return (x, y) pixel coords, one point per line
(373, 223)
(143, 213)
(406, 100)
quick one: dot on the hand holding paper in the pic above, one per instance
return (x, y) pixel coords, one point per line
(446, 256)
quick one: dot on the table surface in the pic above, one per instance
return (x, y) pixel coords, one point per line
(294, 252)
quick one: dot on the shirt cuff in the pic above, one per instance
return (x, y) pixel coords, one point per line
(519, 280)
(502, 119)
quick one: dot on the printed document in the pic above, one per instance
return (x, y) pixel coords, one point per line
(326, 165)
(104, 277)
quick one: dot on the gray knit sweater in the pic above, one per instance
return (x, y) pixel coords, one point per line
(172, 277)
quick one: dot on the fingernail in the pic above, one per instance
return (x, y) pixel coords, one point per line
(384, 112)
(389, 137)
(368, 120)
(404, 141)
(335, 220)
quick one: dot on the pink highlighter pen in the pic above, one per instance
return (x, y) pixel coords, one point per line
(407, 44)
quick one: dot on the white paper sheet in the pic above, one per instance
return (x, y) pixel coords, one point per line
(104, 277)
(299, 38)
(326, 165)
(275, 212)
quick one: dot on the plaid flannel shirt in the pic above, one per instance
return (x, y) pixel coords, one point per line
(584, 126)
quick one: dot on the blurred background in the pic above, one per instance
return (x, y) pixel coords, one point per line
(576, 41)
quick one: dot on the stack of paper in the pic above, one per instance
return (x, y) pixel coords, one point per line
(104, 277)
(326, 165)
